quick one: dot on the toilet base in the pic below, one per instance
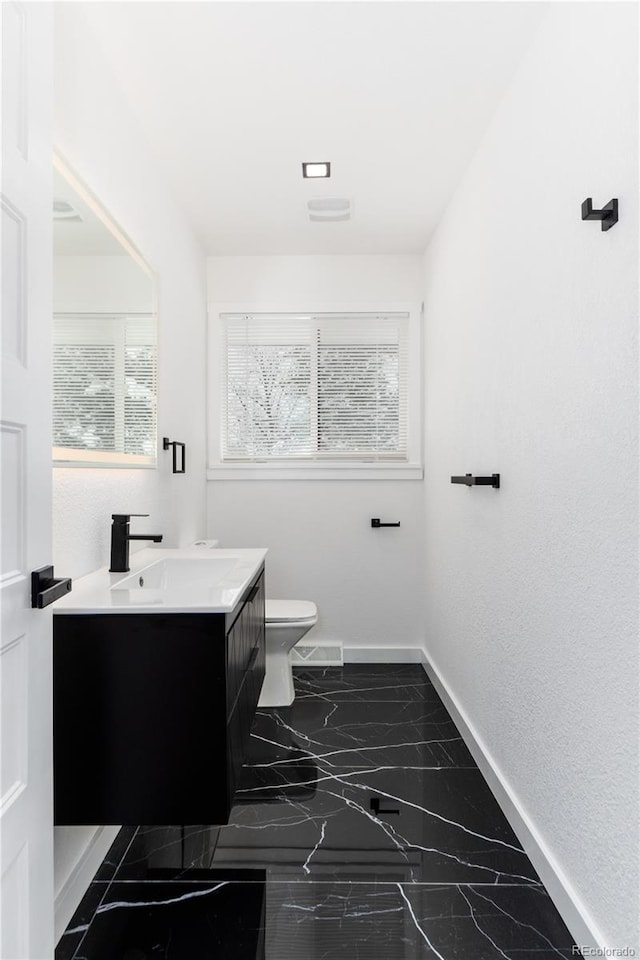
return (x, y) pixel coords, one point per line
(277, 687)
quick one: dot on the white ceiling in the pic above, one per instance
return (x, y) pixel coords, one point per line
(233, 96)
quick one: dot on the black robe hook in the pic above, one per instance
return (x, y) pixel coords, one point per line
(608, 215)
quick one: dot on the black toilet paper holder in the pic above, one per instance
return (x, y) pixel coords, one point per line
(471, 481)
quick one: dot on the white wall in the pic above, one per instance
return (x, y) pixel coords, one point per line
(531, 370)
(99, 284)
(321, 546)
(95, 133)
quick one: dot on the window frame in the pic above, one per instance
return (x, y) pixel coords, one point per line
(359, 468)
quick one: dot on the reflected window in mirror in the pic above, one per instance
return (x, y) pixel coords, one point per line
(104, 337)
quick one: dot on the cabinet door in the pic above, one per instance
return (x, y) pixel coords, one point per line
(235, 753)
(239, 645)
(152, 742)
(236, 657)
(245, 665)
(255, 670)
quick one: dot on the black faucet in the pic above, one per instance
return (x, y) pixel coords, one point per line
(120, 538)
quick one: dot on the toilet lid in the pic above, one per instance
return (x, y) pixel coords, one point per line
(280, 611)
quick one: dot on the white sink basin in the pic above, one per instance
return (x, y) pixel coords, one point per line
(179, 574)
(164, 580)
(182, 582)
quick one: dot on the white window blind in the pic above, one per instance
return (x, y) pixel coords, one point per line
(321, 386)
(104, 384)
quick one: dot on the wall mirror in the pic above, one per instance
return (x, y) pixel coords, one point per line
(104, 336)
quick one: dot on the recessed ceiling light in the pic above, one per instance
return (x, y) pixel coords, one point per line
(316, 169)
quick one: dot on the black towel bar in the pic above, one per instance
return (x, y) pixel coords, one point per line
(471, 481)
(175, 445)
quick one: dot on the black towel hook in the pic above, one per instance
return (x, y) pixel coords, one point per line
(608, 215)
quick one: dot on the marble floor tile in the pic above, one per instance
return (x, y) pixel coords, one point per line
(432, 826)
(115, 853)
(443, 825)
(362, 830)
(79, 923)
(406, 921)
(402, 682)
(271, 920)
(173, 921)
(350, 733)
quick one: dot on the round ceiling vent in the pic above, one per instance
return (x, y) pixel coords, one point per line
(63, 210)
(329, 208)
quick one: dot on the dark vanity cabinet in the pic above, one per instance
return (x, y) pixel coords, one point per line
(152, 712)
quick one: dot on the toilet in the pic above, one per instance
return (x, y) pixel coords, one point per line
(286, 622)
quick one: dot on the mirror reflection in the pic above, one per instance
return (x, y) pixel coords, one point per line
(104, 336)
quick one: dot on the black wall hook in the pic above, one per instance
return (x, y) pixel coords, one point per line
(608, 215)
(174, 444)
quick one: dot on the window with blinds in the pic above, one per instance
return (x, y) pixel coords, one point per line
(320, 386)
(104, 387)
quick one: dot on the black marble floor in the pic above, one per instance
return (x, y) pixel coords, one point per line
(363, 830)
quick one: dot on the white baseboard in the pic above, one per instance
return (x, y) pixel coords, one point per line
(565, 898)
(383, 654)
(76, 885)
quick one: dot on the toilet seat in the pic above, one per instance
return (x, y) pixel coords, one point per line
(289, 611)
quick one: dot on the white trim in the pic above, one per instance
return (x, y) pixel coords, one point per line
(77, 883)
(76, 457)
(316, 471)
(99, 465)
(315, 306)
(566, 900)
(383, 654)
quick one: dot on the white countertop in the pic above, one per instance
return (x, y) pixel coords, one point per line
(170, 587)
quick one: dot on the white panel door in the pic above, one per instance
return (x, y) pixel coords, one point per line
(26, 805)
